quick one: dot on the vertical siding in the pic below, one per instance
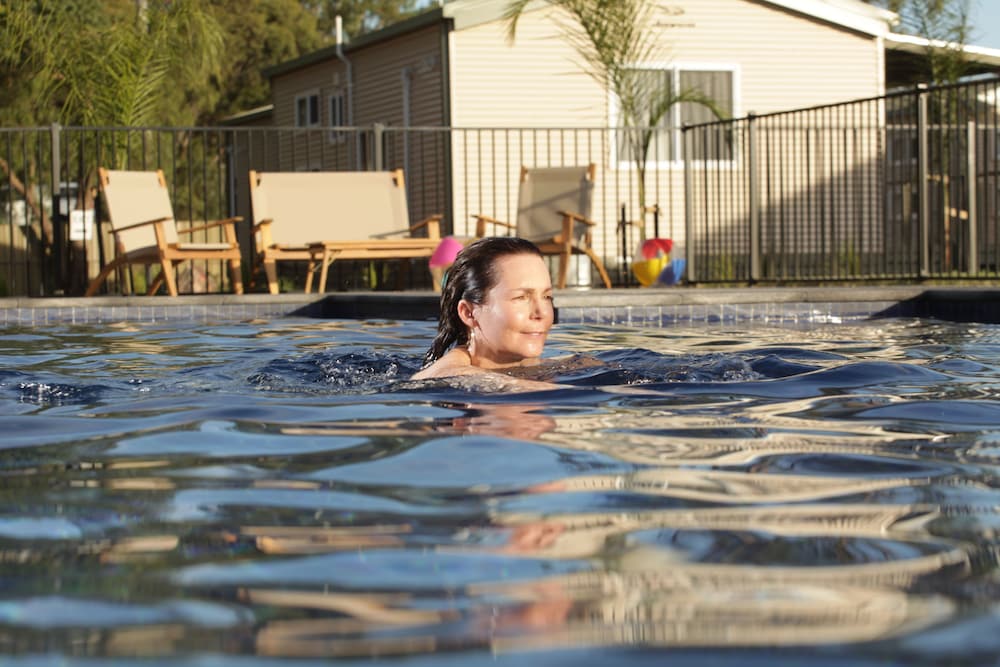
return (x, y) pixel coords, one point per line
(786, 60)
(378, 76)
(383, 73)
(538, 81)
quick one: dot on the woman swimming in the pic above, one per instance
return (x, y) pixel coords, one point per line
(496, 311)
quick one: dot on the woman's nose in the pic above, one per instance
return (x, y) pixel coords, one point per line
(537, 307)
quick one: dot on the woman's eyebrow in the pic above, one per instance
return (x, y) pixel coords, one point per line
(530, 289)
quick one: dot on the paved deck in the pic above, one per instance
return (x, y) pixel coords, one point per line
(641, 307)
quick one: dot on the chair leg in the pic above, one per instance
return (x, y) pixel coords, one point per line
(600, 266)
(437, 278)
(271, 270)
(170, 277)
(96, 283)
(155, 283)
(563, 268)
(237, 276)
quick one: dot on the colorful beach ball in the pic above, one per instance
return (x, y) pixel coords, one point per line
(653, 258)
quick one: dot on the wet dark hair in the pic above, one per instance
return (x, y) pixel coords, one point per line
(471, 276)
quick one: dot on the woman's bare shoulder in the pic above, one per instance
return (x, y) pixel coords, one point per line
(456, 366)
(454, 362)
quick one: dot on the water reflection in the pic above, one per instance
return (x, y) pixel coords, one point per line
(293, 499)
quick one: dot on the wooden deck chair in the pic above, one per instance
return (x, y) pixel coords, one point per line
(145, 232)
(322, 216)
(553, 211)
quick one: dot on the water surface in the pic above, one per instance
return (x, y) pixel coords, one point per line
(256, 492)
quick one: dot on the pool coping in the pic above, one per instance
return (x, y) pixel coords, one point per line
(639, 307)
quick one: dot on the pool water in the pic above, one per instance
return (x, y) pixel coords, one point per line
(274, 491)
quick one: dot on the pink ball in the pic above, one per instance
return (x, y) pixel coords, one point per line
(446, 252)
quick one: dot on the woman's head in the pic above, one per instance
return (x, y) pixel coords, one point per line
(498, 300)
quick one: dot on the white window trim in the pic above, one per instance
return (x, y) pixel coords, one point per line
(319, 107)
(676, 66)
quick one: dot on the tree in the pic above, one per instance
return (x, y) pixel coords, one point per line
(612, 37)
(946, 24)
(111, 62)
(258, 35)
(359, 16)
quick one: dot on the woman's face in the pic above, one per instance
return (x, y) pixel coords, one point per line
(513, 321)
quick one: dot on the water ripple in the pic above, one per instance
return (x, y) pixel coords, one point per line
(280, 489)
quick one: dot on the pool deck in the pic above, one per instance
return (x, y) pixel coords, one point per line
(629, 307)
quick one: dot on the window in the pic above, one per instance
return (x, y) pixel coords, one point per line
(338, 117)
(307, 110)
(665, 124)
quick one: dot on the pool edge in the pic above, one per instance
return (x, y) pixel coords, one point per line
(636, 307)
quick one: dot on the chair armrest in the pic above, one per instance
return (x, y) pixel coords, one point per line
(432, 223)
(576, 217)
(209, 225)
(134, 225)
(266, 222)
(483, 220)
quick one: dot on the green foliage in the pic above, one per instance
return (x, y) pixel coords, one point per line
(947, 24)
(720, 268)
(259, 34)
(359, 16)
(159, 62)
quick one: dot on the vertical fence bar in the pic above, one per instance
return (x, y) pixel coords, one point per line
(378, 138)
(691, 254)
(754, 199)
(972, 265)
(923, 185)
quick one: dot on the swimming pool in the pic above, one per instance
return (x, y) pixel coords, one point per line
(257, 491)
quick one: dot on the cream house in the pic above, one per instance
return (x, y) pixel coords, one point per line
(478, 105)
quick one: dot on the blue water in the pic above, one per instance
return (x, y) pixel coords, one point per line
(278, 492)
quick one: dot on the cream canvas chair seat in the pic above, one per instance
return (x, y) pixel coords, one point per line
(553, 211)
(145, 232)
(322, 216)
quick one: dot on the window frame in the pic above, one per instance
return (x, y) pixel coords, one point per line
(337, 101)
(307, 96)
(675, 68)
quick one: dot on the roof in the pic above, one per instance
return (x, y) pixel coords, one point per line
(411, 24)
(906, 59)
(919, 45)
(257, 113)
(850, 14)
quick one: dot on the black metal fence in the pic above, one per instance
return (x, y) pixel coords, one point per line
(899, 187)
(53, 236)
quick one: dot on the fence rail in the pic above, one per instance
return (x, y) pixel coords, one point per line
(901, 187)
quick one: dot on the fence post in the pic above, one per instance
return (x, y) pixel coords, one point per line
(690, 254)
(58, 224)
(754, 198)
(973, 260)
(378, 136)
(922, 189)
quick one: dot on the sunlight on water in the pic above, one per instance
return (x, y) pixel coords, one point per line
(280, 489)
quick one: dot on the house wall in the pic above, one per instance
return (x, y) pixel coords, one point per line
(396, 82)
(780, 60)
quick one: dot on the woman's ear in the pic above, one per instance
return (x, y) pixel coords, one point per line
(465, 313)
